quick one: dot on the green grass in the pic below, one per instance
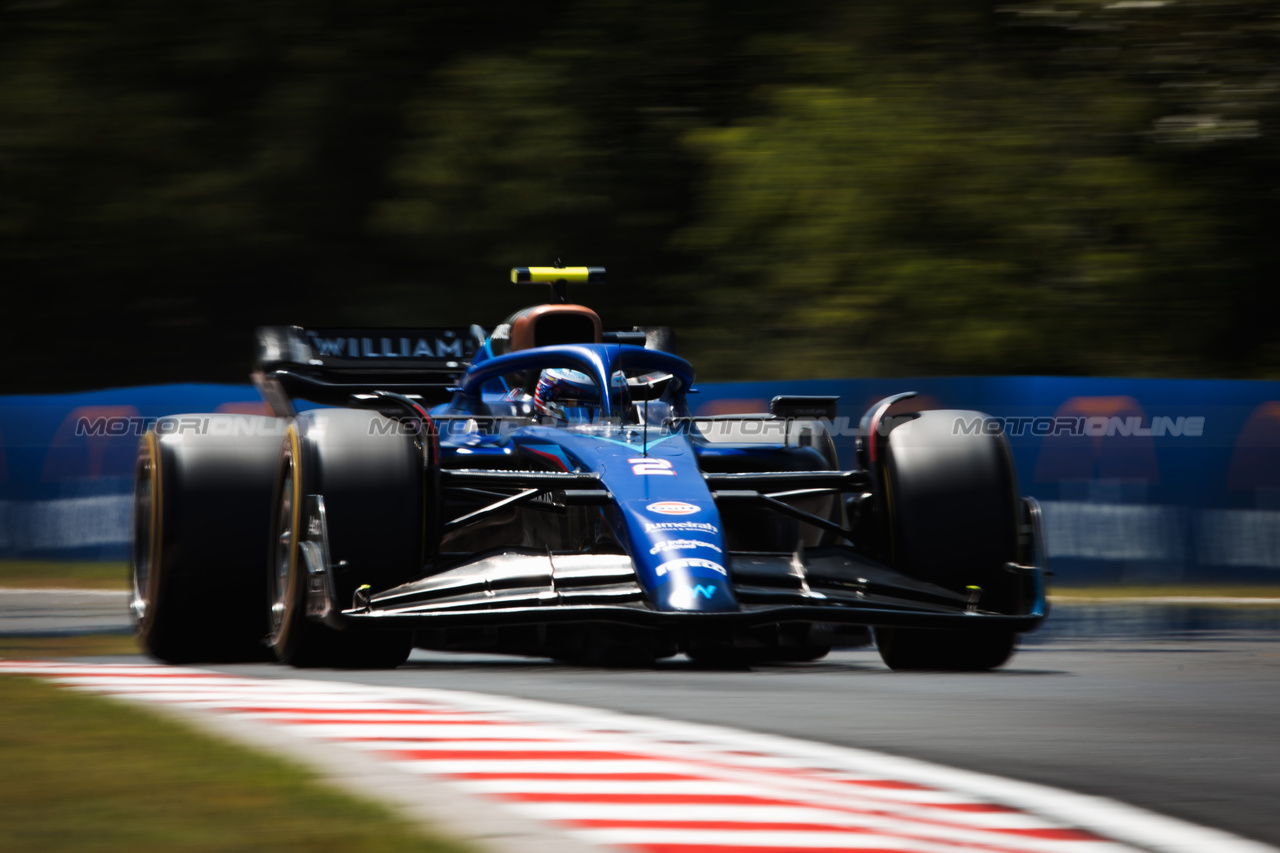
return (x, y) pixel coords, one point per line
(46, 574)
(87, 773)
(35, 647)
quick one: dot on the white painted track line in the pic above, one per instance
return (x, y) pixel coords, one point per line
(645, 784)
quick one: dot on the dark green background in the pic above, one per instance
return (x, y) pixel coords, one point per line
(886, 187)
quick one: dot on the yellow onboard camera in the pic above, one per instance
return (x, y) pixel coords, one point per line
(558, 277)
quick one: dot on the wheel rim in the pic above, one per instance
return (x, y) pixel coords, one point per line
(283, 554)
(141, 567)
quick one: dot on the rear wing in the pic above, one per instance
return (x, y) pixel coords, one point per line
(328, 365)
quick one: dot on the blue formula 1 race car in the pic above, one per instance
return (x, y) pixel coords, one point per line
(545, 490)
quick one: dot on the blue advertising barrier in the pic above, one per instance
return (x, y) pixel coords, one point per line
(1142, 481)
(65, 478)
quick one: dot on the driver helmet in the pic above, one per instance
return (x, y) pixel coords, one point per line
(570, 395)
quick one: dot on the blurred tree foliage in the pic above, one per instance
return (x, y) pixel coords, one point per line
(805, 189)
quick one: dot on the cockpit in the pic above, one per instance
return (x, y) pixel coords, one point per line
(579, 384)
(564, 396)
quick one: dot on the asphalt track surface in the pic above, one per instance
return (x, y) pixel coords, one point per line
(53, 612)
(1185, 726)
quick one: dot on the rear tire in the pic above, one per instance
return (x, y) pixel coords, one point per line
(953, 511)
(371, 476)
(201, 506)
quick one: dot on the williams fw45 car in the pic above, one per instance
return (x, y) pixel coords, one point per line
(544, 490)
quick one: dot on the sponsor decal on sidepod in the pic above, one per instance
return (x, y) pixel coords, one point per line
(673, 508)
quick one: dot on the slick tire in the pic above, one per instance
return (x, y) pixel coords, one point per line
(953, 510)
(201, 527)
(370, 474)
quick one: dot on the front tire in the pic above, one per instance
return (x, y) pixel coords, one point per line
(952, 506)
(371, 476)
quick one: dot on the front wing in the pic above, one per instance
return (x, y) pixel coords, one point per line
(825, 585)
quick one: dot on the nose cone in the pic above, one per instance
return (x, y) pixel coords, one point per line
(678, 551)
